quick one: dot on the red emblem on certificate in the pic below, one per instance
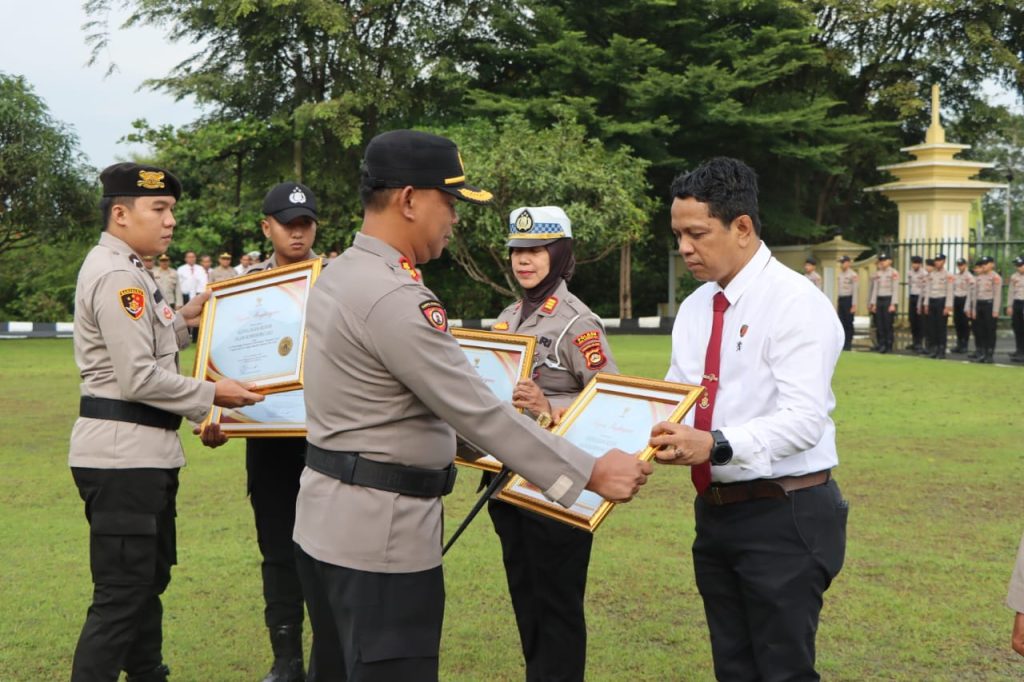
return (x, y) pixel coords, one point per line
(133, 301)
(435, 314)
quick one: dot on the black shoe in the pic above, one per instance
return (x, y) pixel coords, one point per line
(958, 350)
(157, 674)
(286, 642)
(912, 346)
(1019, 358)
(883, 350)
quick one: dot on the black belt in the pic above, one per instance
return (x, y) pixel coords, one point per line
(349, 467)
(719, 494)
(124, 411)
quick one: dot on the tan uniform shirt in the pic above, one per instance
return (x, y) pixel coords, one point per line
(883, 283)
(938, 285)
(272, 262)
(988, 286)
(126, 346)
(1016, 290)
(815, 279)
(167, 280)
(1015, 595)
(963, 282)
(847, 280)
(384, 378)
(219, 274)
(571, 344)
(917, 280)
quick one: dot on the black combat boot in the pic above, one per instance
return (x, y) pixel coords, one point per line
(286, 641)
(157, 674)
(989, 353)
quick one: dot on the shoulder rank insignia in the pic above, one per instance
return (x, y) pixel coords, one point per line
(133, 300)
(435, 314)
(500, 327)
(589, 344)
(549, 305)
(409, 267)
(136, 261)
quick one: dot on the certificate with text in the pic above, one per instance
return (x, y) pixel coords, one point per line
(279, 415)
(501, 360)
(253, 328)
(612, 411)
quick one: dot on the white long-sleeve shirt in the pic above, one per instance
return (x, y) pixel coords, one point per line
(780, 344)
(192, 279)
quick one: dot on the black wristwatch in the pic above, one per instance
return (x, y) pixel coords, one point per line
(721, 451)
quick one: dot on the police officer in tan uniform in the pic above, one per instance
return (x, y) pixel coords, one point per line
(125, 453)
(546, 561)
(988, 290)
(811, 273)
(963, 286)
(938, 298)
(881, 303)
(167, 279)
(846, 298)
(1015, 308)
(916, 279)
(223, 270)
(386, 389)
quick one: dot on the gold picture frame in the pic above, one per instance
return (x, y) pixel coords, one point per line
(501, 359)
(253, 328)
(280, 415)
(612, 411)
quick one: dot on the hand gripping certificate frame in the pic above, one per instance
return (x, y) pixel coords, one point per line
(253, 329)
(612, 411)
(501, 360)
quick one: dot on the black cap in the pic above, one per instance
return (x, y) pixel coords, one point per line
(884, 256)
(940, 256)
(289, 200)
(929, 261)
(1018, 261)
(135, 180)
(844, 259)
(961, 261)
(811, 261)
(984, 260)
(915, 259)
(401, 158)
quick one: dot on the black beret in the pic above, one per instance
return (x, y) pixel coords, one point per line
(915, 259)
(811, 261)
(136, 180)
(929, 261)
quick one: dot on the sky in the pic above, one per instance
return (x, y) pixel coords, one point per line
(44, 42)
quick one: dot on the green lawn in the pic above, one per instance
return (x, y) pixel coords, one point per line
(930, 460)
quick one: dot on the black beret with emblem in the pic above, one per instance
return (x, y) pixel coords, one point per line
(402, 158)
(137, 180)
(288, 201)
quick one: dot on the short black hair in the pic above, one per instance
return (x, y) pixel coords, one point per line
(107, 204)
(728, 187)
(375, 198)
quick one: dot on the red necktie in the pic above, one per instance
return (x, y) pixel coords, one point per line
(701, 474)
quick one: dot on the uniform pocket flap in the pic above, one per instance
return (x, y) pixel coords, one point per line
(123, 523)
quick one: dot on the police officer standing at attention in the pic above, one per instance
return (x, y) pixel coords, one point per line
(880, 301)
(846, 300)
(963, 286)
(1015, 308)
(915, 280)
(811, 273)
(273, 465)
(125, 453)
(988, 290)
(545, 560)
(167, 279)
(223, 270)
(939, 299)
(386, 389)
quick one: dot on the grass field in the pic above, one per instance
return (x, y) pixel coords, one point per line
(930, 458)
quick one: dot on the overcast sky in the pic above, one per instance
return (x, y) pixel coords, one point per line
(43, 41)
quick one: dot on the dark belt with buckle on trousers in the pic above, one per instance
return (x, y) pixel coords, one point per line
(719, 494)
(125, 411)
(349, 467)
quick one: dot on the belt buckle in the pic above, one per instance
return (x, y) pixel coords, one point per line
(717, 495)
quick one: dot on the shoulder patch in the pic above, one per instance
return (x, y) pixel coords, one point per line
(133, 300)
(589, 343)
(409, 267)
(435, 314)
(586, 338)
(500, 326)
(549, 305)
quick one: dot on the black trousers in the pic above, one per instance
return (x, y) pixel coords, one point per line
(937, 322)
(762, 568)
(546, 566)
(960, 322)
(984, 326)
(883, 322)
(843, 305)
(131, 550)
(193, 331)
(916, 323)
(1018, 326)
(273, 466)
(372, 627)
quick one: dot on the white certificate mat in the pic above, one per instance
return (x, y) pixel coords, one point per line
(280, 414)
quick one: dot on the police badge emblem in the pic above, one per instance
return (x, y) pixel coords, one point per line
(133, 301)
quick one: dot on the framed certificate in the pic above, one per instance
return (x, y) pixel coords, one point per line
(612, 411)
(501, 360)
(253, 328)
(279, 415)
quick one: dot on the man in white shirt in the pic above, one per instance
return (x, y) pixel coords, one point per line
(192, 280)
(770, 521)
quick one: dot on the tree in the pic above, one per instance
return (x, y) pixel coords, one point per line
(603, 191)
(47, 191)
